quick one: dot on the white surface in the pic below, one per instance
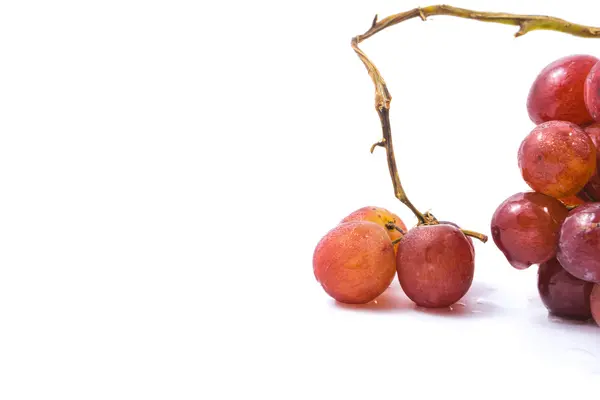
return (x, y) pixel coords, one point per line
(168, 167)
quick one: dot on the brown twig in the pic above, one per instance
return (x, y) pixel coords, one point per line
(476, 235)
(392, 226)
(383, 98)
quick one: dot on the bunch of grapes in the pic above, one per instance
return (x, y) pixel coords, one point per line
(357, 260)
(557, 225)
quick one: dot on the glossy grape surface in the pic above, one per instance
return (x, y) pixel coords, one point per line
(592, 92)
(557, 158)
(435, 265)
(579, 243)
(526, 226)
(558, 91)
(562, 293)
(355, 262)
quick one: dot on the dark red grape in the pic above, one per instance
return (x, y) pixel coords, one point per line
(435, 265)
(558, 91)
(557, 158)
(526, 227)
(595, 303)
(592, 92)
(563, 294)
(579, 243)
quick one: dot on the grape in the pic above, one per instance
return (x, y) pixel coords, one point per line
(595, 303)
(380, 216)
(355, 262)
(453, 224)
(557, 158)
(563, 294)
(592, 92)
(558, 91)
(593, 131)
(526, 227)
(435, 265)
(591, 191)
(579, 243)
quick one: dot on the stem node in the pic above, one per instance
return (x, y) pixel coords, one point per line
(374, 21)
(378, 144)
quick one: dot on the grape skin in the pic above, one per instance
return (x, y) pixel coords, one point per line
(563, 294)
(456, 225)
(435, 265)
(592, 92)
(591, 191)
(355, 262)
(526, 227)
(557, 158)
(579, 243)
(558, 91)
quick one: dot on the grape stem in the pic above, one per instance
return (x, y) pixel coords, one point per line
(392, 226)
(476, 235)
(383, 98)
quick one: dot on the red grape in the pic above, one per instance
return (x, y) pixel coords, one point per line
(562, 293)
(558, 91)
(591, 191)
(593, 131)
(453, 224)
(435, 265)
(579, 243)
(526, 227)
(595, 303)
(592, 92)
(355, 262)
(557, 158)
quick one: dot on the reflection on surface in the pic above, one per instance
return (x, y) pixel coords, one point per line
(474, 304)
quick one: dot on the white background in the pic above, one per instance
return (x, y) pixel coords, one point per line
(167, 167)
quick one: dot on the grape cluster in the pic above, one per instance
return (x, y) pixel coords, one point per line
(557, 225)
(357, 260)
